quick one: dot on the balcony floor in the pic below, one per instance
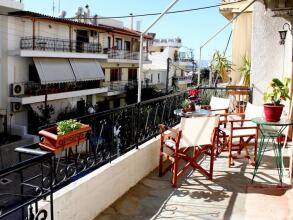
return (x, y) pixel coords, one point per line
(229, 196)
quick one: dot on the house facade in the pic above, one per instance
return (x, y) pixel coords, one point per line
(169, 53)
(68, 65)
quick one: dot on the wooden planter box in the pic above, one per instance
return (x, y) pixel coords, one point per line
(55, 143)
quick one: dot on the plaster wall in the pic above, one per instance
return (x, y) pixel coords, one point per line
(99, 189)
(269, 58)
(241, 43)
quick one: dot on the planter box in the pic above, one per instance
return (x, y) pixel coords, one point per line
(55, 143)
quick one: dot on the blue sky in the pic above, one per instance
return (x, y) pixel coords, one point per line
(195, 27)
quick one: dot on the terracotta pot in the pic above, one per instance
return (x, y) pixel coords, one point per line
(55, 143)
(273, 112)
(190, 108)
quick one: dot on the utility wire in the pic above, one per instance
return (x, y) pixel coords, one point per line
(143, 15)
(171, 12)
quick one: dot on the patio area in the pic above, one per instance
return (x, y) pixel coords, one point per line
(229, 196)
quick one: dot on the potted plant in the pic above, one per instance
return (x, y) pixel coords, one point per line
(277, 91)
(221, 66)
(66, 134)
(245, 71)
(187, 106)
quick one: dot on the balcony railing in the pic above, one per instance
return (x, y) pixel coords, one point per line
(36, 89)
(60, 45)
(123, 85)
(22, 186)
(124, 54)
(114, 133)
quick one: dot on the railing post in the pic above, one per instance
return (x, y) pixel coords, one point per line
(137, 125)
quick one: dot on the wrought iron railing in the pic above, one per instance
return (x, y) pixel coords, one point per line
(124, 54)
(22, 188)
(123, 85)
(113, 133)
(56, 44)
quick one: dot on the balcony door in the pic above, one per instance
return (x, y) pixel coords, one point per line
(82, 36)
(115, 74)
(132, 74)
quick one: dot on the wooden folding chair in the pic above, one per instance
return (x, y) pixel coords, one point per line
(240, 95)
(220, 106)
(197, 133)
(242, 133)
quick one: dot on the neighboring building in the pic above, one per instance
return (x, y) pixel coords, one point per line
(67, 62)
(181, 64)
(241, 33)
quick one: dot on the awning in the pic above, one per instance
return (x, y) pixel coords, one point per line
(86, 69)
(53, 70)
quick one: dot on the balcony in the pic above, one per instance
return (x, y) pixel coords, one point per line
(125, 56)
(227, 9)
(30, 92)
(44, 46)
(119, 87)
(180, 80)
(111, 163)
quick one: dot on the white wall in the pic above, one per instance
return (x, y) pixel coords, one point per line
(87, 197)
(269, 59)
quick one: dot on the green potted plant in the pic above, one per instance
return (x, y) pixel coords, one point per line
(245, 71)
(221, 66)
(66, 134)
(187, 106)
(277, 91)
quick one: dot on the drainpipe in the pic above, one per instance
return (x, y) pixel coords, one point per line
(141, 48)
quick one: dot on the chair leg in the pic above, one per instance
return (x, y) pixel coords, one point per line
(230, 152)
(175, 171)
(212, 163)
(161, 162)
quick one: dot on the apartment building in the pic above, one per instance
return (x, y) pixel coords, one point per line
(169, 53)
(63, 64)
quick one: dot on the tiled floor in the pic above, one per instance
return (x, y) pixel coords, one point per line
(229, 196)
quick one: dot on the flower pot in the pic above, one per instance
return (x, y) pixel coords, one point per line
(53, 142)
(273, 112)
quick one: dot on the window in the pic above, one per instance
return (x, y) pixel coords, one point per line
(132, 74)
(159, 78)
(118, 43)
(127, 45)
(115, 74)
(151, 78)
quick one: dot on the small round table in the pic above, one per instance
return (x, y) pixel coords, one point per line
(267, 134)
(198, 113)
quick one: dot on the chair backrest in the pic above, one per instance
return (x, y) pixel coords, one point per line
(253, 111)
(219, 103)
(198, 130)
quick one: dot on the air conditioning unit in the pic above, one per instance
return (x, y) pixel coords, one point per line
(16, 107)
(17, 89)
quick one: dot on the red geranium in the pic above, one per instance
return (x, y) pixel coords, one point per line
(193, 93)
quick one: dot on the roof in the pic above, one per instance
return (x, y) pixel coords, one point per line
(125, 31)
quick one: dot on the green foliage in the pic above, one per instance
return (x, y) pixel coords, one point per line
(277, 91)
(221, 65)
(66, 126)
(245, 71)
(186, 103)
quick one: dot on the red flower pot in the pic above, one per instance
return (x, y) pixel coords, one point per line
(55, 143)
(273, 112)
